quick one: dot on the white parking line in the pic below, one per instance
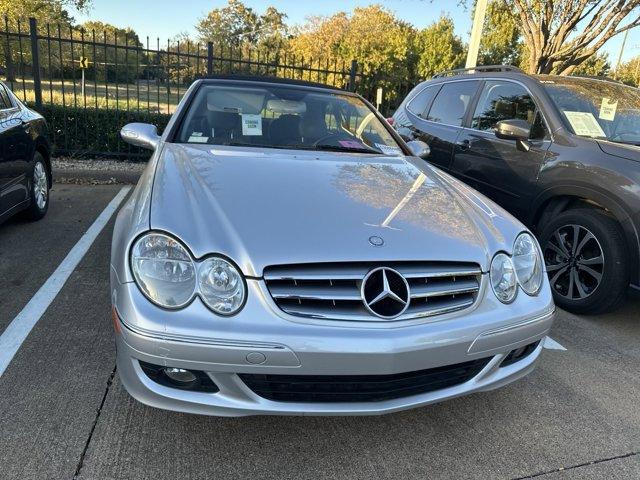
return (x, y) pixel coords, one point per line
(19, 328)
(551, 344)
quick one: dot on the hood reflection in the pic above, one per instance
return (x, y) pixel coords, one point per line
(405, 195)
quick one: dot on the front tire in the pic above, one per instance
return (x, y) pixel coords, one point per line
(585, 256)
(39, 194)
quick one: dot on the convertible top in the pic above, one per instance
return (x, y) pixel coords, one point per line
(269, 79)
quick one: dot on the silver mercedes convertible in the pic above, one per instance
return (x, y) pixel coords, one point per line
(285, 252)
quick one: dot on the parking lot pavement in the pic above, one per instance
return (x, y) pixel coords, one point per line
(64, 413)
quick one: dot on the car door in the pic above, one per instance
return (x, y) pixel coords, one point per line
(500, 168)
(14, 153)
(436, 115)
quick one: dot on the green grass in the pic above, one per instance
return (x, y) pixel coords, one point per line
(128, 97)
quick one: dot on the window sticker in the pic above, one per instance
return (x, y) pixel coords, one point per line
(608, 109)
(387, 150)
(584, 123)
(251, 124)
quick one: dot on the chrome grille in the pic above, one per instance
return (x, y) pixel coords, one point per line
(332, 291)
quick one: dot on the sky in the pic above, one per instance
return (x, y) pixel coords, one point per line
(167, 18)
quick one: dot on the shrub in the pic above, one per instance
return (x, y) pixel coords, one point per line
(91, 132)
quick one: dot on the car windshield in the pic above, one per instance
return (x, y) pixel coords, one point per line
(277, 116)
(598, 109)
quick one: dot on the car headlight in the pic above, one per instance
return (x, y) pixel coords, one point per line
(167, 275)
(221, 286)
(503, 278)
(528, 263)
(163, 269)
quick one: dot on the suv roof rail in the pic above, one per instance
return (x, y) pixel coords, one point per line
(480, 68)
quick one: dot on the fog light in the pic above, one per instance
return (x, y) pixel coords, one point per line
(180, 375)
(194, 380)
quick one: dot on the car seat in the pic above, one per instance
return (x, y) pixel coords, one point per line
(285, 130)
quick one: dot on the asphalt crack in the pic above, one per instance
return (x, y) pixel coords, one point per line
(579, 465)
(95, 422)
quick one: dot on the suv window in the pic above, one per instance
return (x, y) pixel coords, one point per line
(451, 102)
(5, 101)
(419, 104)
(506, 101)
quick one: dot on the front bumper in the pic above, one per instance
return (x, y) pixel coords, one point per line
(262, 340)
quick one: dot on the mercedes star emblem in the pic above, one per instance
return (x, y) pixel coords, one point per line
(385, 293)
(376, 241)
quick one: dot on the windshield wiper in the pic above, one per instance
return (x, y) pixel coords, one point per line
(339, 148)
(332, 148)
(255, 145)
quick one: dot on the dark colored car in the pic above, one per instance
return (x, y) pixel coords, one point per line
(560, 153)
(25, 167)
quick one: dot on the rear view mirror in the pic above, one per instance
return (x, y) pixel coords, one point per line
(513, 129)
(419, 148)
(142, 135)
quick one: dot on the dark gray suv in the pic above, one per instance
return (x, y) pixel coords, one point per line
(560, 153)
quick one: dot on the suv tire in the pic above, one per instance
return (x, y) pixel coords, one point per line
(585, 256)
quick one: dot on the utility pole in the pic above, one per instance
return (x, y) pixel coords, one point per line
(624, 42)
(476, 33)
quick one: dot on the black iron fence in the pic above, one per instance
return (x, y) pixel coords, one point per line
(88, 84)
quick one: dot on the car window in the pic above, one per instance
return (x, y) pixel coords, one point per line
(270, 116)
(5, 102)
(501, 100)
(596, 108)
(419, 104)
(451, 102)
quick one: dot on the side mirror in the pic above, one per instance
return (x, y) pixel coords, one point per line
(405, 133)
(513, 130)
(142, 135)
(518, 130)
(419, 148)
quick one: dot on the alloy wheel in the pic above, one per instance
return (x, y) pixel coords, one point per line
(575, 262)
(40, 185)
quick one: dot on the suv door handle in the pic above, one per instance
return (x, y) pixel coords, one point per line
(463, 144)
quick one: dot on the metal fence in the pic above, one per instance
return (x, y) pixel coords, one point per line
(88, 84)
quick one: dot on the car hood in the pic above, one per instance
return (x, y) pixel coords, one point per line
(264, 207)
(622, 150)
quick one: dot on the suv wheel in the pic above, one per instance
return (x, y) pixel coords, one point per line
(39, 190)
(584, 253)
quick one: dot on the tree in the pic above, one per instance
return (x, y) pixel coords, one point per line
(44, 11)
(501, 42)
(438, 48)
(111, 65)
(629, 72)
(379, 40)
(236, 24)
(595, 66)
(372, 35)
(562, 34)
(320, 37)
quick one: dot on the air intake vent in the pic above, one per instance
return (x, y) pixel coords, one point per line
(360, 388)
(332, 291)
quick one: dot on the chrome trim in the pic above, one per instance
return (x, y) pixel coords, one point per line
(427, 291)
(333, 291)
(198, 340)
(539, 318)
